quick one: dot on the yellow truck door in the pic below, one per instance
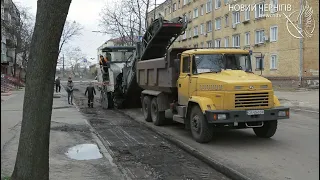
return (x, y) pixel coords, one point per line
(184, 80)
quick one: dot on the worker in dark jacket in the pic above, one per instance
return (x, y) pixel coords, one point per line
(58, 86)
(91, 92)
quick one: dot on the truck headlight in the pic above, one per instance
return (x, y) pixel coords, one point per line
(282, 113)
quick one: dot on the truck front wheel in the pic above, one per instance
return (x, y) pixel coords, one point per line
(201, 131)
(146, 108)
(268, 129)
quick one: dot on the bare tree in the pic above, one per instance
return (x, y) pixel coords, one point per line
(126, 19)
(70, 30)
(74, 59)
(32, 160)
(25, 31)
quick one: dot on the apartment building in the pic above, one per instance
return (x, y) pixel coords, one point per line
(262, 27)
(10, 20)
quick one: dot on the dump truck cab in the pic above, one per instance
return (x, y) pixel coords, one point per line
(216, 88)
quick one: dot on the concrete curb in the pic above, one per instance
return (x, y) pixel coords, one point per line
(228, 171)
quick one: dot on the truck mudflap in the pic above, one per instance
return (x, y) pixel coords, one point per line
(231, 116)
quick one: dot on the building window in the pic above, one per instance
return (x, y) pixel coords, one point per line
(185, 2)
(226, 42)
(174, 7)
(195, 13)
(217, 43)
(226, 17)
(247, 15)
(259, 60)
(2, 12)
(186, 64)
(169, 10)
(184, 36)
(236, 17)
(217, 4)
(190, 15)
(226, 2)
(274, 6)
(179, 3)
(209, 26)
(202, 45)
(218, 23)
(209, 6)
(236, 40)
(3, 48)
(209, 44)
(259, 37)
(247, 39)
(259, 10)
(190, 33)
(273, 61)
(201, 28)
(201, 10)
(195, 31)
(274, 33)
(165, 11)
(185, 17)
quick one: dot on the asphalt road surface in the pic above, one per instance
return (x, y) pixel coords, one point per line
(141, 153)
(293, 153)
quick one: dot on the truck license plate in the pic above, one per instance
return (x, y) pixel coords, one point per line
(255, 112)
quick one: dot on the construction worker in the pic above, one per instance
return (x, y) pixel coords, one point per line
(70, 90)
(58, 86)
(104, 63)
(91, 92)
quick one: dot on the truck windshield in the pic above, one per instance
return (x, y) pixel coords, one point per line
(204, 63)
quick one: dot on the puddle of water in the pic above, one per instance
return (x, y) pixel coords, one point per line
(84, 152)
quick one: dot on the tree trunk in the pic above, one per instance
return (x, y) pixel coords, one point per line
(32, 162)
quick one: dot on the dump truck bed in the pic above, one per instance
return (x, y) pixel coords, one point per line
(160, 74)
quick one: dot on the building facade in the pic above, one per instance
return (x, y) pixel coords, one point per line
(263, 26)
(10, 21)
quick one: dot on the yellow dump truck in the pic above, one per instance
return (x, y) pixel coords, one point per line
(204, 89)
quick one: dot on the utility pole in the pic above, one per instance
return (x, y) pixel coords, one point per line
(155, 6)
(62, 65)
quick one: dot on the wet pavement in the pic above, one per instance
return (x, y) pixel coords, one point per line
(140, 152)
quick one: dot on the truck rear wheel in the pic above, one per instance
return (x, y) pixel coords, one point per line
(201, 131)
(267, 130)
(146, 108)
(157, 117)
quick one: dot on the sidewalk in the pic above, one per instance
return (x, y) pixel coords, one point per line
(307, 100)
(68, 129)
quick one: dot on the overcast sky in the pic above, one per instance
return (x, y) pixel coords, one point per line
(85, 12)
